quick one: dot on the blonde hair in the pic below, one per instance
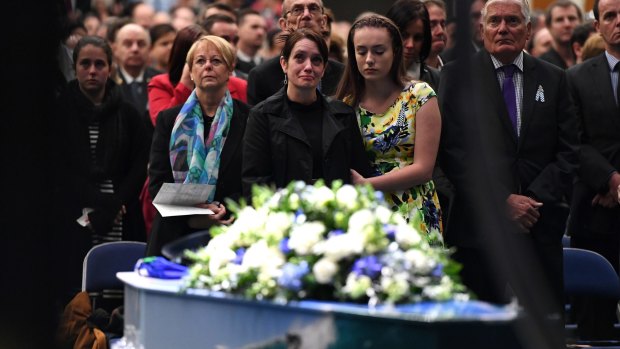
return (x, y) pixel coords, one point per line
(224, 47)
(594, 46)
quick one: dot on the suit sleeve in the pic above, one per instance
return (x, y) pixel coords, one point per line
(130, 186)
(257, 164)
(253, 94)
(160, 170)
(557, 177)
(594, 168)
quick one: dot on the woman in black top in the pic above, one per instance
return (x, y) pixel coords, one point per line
(297, 134)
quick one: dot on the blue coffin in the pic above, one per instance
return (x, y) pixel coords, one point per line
(158, 315)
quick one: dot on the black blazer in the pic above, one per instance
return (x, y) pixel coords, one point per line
(277, 151)
(540, 163)
(590, 87)
(267, 79)
(160, 171)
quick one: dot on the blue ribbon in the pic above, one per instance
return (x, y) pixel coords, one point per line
(160, 268)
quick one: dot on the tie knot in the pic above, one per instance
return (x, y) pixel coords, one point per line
(508, 70)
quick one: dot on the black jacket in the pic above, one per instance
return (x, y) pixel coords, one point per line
(276, 149)
(229, 178)
(122, 155)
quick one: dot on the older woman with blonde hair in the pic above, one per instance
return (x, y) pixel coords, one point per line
(200, 141)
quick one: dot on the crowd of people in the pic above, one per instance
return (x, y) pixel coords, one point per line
(504, 136)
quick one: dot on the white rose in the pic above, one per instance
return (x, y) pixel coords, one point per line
(249, 220)
(220, 257)
(383, 214)
(347, 196)
(303, 237)
(277, 224)
(420, 262)
(340, 246)
(320, 197)
(407, 236)
(259, 255)
(324, 270)
(360, 220)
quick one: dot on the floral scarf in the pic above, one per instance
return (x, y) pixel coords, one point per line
(193, 159)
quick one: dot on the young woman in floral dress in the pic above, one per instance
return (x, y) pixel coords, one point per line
(399, 120)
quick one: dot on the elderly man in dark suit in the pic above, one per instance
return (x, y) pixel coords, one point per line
(595, 214)
(510, 138)
(267, 78)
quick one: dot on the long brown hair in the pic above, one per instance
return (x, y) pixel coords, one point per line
(352, 83)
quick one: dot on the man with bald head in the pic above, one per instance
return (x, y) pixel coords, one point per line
(509, 146)
(131, 51)
(267, 78)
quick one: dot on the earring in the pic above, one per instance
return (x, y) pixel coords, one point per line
(285, 80)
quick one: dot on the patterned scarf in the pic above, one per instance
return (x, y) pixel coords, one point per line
(193, 159)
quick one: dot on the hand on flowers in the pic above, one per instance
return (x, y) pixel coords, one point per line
(357, 178)
(523, 210)
(606, 200)
(207, 220)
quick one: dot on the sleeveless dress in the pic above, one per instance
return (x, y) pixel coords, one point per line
(389, 139)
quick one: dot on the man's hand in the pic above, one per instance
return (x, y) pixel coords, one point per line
(606, 200)
(523, 210)
(614, 186)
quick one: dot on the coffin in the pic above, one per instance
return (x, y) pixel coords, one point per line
(158, 315)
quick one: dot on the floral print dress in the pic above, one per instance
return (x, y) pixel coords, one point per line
(389, 139)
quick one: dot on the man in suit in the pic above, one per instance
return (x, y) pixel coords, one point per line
(561, 19)
(252, 31)
(476, 40)
(595, 212)
(267, 78)
(131, 52)
(509, 146)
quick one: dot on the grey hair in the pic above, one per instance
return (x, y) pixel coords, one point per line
(523, 4)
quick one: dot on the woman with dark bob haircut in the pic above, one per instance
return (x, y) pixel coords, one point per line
(297, 134)
(399, 119)
(413, 21)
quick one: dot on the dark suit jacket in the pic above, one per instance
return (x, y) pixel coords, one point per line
(149, 73)
(540, 163)
(160, 171)
(141, 104)
(553, 57)
(266, 79)
(590, 87)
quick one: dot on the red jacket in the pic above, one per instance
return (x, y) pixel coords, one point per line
(162, 95)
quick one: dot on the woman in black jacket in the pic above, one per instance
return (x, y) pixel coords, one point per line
(297, 134)
(199, 142)
(101, 155)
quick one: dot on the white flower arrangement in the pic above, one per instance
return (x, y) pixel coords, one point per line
(317, 242)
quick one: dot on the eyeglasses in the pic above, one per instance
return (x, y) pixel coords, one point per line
(298, 10)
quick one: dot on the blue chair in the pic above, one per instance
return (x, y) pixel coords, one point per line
(102, 263)
(587, 273)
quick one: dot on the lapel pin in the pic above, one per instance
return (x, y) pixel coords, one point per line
(540, 94)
